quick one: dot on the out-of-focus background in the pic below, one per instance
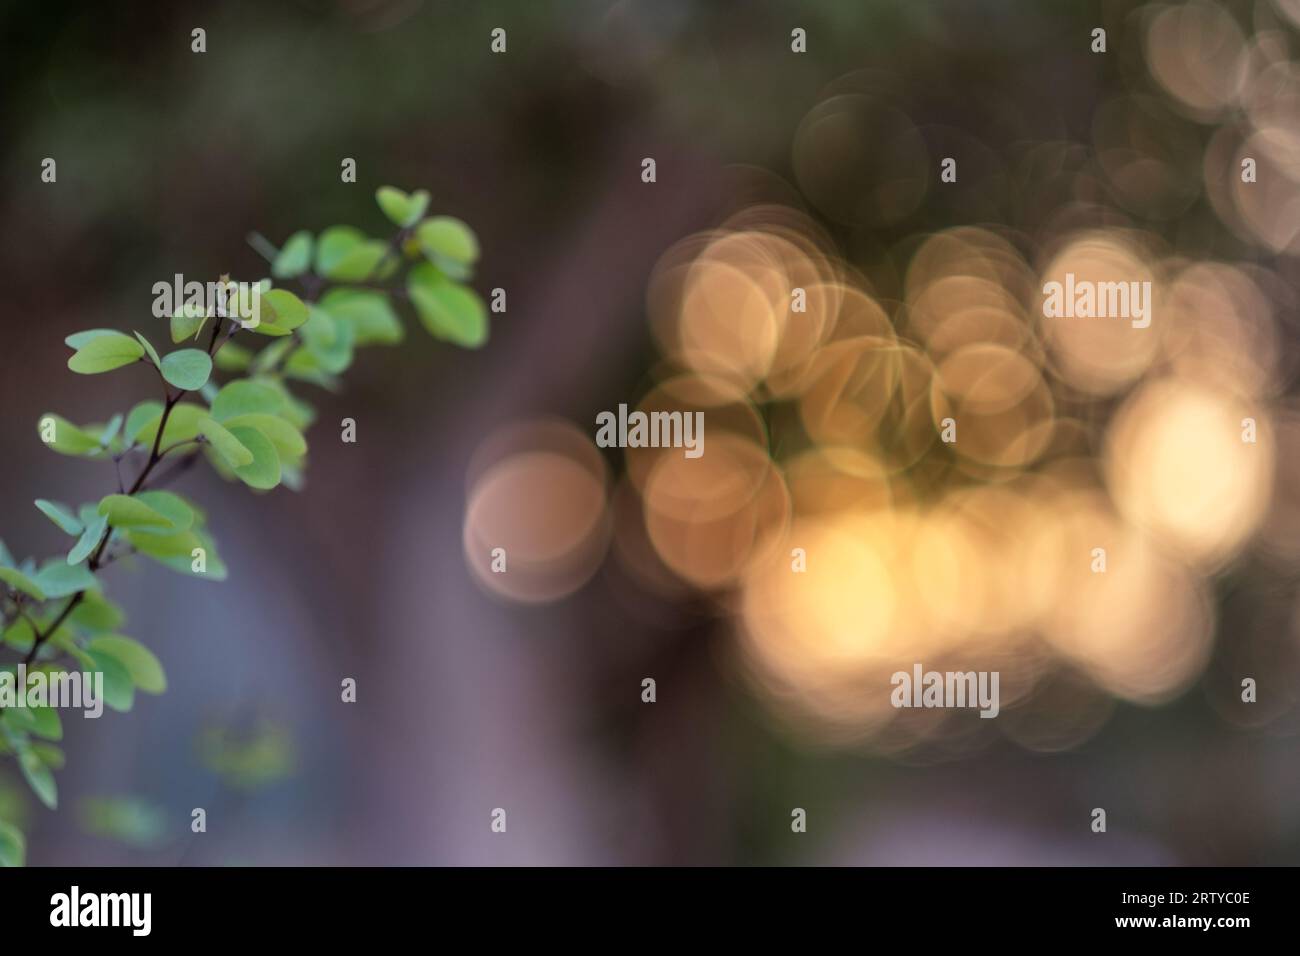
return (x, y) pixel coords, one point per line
(774, 168)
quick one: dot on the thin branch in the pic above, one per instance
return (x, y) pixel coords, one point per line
(94, 563)
(41, 638)
(112, 556)
(215, 346)
(216, 330)
(154, 455)
(149, 474)
(263, 246)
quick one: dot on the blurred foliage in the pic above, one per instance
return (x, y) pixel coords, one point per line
(127, 820)
(249, 759)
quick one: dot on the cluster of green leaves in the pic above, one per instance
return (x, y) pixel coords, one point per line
(249, 428)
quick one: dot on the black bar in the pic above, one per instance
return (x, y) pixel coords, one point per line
(976, 906)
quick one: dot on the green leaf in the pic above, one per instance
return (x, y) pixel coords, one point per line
(110, 430)
(449, 311)
(77, 339)
(97, 430)
(232, 358)
(177, 552)
(360, 263)
(319, 329)
(24, 720)
(187, 369)
(63, 642)
(59, 579)
(125, 511)
(139, 661)
(292, 409)
(119, 689)
(139, 416)
(105, 352)
(264, 470)
(370, 315)
(45, 722)
(281, 312)
(329, 342)
(295, 258)
(187, 322)
(304, 366)
(402, 209)
(39, 778)
(60, 515)
(171, 506)
(97, 613)
(298, 413)
(226, 444)
(449, 244)
(272, 355)
(65, 437)
(21, 582)
(50, 755)
(290, 445)
(182, 425)
(286, 311)
(149, 350)
(345, 254)
(291, 475)
(89, 540)
(20, 636)
(246, 397)
(335, 243)
(164, 545)
(13, 847)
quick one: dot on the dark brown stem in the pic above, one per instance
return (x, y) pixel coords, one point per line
(41, 638)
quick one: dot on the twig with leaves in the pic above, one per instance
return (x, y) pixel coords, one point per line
(54, 617)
